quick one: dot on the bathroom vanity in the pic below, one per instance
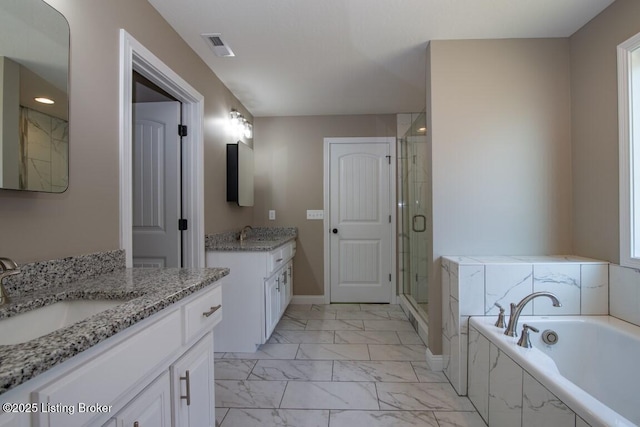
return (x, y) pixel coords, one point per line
(148, 360)
(258, 289)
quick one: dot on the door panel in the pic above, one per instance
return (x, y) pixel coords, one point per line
(359, 219)
(156, 185)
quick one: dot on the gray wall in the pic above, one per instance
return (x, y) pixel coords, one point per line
(84, 219)
(594, 108)
(289, 178)
(501, 145)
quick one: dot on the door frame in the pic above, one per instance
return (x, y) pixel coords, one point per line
(391, 141)
(134, 56)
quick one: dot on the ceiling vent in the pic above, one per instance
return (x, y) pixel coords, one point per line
(219, 47)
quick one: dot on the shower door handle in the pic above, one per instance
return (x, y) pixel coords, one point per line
(419, 223)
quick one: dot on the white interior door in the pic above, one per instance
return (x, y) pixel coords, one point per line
(156, 185)
(360, 222)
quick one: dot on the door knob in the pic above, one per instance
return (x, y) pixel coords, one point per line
(334, 231)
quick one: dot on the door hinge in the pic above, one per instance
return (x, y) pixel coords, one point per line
(389, 219)
(388, 159)
(389, 276)
(182, 130)
(182, 224)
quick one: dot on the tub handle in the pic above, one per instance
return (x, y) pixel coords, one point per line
(524, 340)
(500, 322)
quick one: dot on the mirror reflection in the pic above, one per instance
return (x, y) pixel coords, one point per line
(34, 113)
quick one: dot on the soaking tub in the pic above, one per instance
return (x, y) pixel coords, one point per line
(594, 368)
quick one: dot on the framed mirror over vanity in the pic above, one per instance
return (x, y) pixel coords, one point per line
(34, 81)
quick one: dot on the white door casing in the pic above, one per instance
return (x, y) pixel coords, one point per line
(134, 56)
(156, 185)
(359, 247)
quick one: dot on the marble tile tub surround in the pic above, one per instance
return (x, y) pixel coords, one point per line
(319, 371)
(47, 274)
(259, 239)
(625, 293)
(145, 291)
(471, 285)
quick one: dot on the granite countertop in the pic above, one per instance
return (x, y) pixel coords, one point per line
(259, 239)
(145, 291)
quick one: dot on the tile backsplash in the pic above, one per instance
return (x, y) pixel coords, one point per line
(625, 293)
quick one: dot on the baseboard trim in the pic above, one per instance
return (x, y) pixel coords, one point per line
(435, 362)
(307, 299)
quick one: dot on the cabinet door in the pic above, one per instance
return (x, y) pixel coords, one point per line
(284, 286)
(150, 408)
(289, 283)
(193, 387)
(272, 304)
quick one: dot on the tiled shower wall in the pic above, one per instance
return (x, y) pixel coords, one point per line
(45, 152)
(472, 285)
(625, 293)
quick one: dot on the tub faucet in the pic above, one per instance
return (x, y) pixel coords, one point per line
(516, 309)
(8, 268)
(243, 232)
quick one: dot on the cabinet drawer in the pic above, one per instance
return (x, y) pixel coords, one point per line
(202, 313)
(275, 261)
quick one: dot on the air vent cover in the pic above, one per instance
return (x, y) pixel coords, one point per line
(219, 47)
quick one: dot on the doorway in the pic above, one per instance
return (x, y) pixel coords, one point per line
(359, 220)
(135, 57)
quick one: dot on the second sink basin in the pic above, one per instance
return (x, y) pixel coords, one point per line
(41, 321)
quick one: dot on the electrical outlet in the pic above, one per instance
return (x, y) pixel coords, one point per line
(315, 214)
(272, 215)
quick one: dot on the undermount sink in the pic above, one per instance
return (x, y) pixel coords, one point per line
(44, 320)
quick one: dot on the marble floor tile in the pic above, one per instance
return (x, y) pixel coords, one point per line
(276, 418)
(220, 414)
(268, 351)
(410, 337)
(329, 395)
(298, 307)
(381, 307)
(306, 315)
(382, 419)
(398, 352)
(233, 369)
(421, 396)
(361, 315)
(299, 370)
(387, 325)
(335, 325)
(426, 375)
(288, 324)
(335, 307)
(301, 337)
(218, 355)
(397, 315)
(249, 394)
(349, 370)
(333, 352)
(459, 419)
(366, 337)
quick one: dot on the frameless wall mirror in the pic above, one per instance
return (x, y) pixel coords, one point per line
(240, 174)
(34, 113)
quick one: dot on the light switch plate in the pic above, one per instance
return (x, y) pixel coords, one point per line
(272, 215)
(315, 214)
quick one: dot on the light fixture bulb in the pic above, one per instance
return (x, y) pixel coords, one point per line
(43, 100)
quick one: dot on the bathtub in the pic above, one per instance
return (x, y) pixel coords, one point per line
(594, 368)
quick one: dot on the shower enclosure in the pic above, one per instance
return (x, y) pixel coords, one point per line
(413, 187)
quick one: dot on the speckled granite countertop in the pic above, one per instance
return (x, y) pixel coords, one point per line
(259, 239)
(147, 291)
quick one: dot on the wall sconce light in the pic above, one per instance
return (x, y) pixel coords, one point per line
(240, 125)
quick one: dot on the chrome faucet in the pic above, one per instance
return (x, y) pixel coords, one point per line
(516, 309)
(9, 268)
(243, 232)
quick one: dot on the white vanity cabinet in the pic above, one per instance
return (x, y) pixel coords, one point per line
(158, 372)
(256, 293)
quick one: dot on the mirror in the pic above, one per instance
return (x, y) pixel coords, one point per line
(34, 63)
(240, 174)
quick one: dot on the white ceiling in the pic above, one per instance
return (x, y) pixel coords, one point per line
(322, 57)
